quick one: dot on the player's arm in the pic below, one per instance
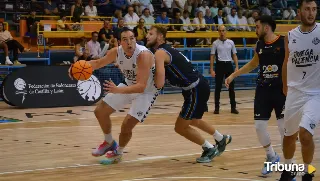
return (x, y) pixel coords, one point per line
(234, 56)
(144, 64)
(212, 59)
(161, 58)
(106, 60)
(247, 67)
(284, 66)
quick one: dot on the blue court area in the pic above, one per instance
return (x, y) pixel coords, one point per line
(200, 58)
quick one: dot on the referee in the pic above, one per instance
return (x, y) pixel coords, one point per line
(223, 50)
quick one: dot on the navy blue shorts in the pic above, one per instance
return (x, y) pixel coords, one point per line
(266, 100)
(195, 101)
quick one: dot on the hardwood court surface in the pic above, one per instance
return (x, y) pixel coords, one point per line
(56, 144)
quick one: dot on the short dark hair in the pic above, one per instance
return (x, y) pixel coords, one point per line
(266, 19)
(125, 29)
(307, 1)
(160, 29)
(94, 33)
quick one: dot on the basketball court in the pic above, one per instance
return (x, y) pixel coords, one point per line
(56, 144)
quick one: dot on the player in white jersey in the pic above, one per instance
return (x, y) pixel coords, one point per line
(301, 84)
(137, 64)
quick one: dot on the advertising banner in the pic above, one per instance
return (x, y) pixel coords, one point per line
(49, 86)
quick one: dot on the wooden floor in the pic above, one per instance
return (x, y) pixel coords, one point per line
(56, 144)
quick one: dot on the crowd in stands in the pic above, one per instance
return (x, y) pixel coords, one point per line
(139, 15)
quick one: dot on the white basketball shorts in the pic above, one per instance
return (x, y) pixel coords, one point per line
(301, 110)
(141, 103)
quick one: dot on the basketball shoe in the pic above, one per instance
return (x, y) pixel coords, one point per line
(288, 176)
(112, 157)
(207, 155)
(273, 160)
(104, 148)
(223, 143)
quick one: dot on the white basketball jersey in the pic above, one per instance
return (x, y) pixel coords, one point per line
(128, 66)
(303, 63)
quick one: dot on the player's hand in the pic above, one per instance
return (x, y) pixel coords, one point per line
(236, 69)
(69, 72)
(213, 73)
(229, 80)
(110, 87)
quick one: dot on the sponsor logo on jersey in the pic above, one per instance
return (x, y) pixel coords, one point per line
(305, 58)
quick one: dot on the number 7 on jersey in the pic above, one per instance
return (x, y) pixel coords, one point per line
(304, 74)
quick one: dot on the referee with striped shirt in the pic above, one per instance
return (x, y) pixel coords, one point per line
(223, 51)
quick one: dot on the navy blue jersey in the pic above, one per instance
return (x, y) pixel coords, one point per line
(179, 72)
(271, 56)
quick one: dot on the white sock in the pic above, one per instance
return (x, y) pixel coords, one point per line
(7, 58)
(288, 161)
(270, 151)
(306, 167)
(281, 130)
(120, 150)
(108, 138)
(206, 144)
(217, 136)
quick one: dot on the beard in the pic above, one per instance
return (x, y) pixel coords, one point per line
(306, 22)
(151, 44)
(261, 36)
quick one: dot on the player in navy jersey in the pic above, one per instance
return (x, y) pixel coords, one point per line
(269, 54)
(173, 66)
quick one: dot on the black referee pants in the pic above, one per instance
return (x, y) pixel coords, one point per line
(224, 70)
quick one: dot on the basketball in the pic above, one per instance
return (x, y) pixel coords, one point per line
(81, 70)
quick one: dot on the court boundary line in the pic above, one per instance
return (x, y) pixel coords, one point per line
(147, 125)
(128, 161)
(179, 178)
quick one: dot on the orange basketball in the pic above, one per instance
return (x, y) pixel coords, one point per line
(81, 70)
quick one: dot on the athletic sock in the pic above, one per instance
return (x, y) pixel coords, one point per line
(120, 150)
(206, 144)
(217, 136)
(108, 138)
(269, 150)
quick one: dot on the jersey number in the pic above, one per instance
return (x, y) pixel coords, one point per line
(304, 74)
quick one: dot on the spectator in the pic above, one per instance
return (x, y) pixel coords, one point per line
(162, 19)
(117, 30)
(94, 46)
(32, 25)
(289, 14)
(50, 8)
(14, 45)
(176, 20)
(131, 18)
(252, 20)
(203, 7)
(120, 4)
(233, 20)
(209, 20)
(214, 9)
(77, 11)
(146, 4)
(243, 4)
(219, 19)
(61, 26)
(243, 22)
(117, 15)
(178, 6)
(4, 47)
(282, 4)
(140, 32)
(81, 50)
(166, 6)
(136, 5)
(91, 10)
(148, 19)
(104, 7)
(186, 21)
(105, 33)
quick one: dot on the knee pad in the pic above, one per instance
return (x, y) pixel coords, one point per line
(262, 133)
